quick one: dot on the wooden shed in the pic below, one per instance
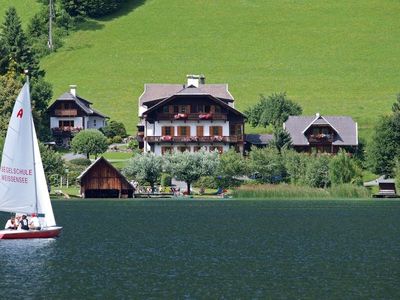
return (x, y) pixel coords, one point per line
(387, 189)
(103, 180)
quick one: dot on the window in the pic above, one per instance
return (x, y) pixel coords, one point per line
(66, 123)
(183, 148)
(183, 130)
(166, 150)
(215, 130)
(217, 109)
(200, 131)
(198, 148)
(235, 129)
(167, 130)
(201, 108)
(180, 109)
(94, 123)
(165, 109)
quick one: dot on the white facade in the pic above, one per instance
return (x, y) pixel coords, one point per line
(175, 147)
(155, 129)
(78, 121)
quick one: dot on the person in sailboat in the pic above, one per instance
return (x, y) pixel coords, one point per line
(34, 223)
(24, 224)
(11, 224)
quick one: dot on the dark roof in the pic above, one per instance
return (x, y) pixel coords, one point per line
(258, 139)
(81, 102)
(344, 126)
(222, 103)
(155, 91)
(102, 159)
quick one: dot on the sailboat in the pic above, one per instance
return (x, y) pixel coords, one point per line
(23, 186)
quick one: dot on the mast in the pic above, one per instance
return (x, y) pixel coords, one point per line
(50, 40)
(32, 144)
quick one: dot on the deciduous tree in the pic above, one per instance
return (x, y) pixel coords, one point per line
(272, 110)
(266, 165)
(90, 141)
(145, 167)
(190, 166)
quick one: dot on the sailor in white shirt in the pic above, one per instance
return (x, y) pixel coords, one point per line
(11, 223)
(34, 223)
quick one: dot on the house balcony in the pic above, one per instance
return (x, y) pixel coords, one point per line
(194, 139)
(65, 131)
(65, 112)
(192, 116)
(321, 138)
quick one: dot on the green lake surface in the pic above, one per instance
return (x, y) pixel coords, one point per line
(195, 249)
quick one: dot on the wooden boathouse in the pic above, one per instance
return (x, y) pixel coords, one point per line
(103, 180)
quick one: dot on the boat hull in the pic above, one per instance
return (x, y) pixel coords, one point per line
(49, 232)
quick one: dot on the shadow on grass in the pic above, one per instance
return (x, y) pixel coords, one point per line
(125, 9)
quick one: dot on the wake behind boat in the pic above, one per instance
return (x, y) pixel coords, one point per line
(23, 186)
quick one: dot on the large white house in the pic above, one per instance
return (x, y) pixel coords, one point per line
(71, 113)
(188, 117)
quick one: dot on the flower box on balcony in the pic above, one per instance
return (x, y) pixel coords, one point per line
(205, 116)
(180, 116)
(166, 138)
(217, 138)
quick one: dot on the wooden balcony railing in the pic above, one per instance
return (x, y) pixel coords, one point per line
(65, 130)
(321, 138)
(195, 139)
(193, 116)
(66, 112)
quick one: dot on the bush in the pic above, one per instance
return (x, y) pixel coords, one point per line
(166, 179)
(207, 182)
(81, 162)
(117, 139)
(266, 165)
(317, 171)
(342, 169)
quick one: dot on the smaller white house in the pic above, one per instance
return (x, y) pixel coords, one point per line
(70, 114)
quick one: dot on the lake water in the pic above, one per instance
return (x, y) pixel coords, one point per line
(210, 249)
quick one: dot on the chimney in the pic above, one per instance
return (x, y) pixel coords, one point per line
(72, 89)
(317, 115)
(195, 80)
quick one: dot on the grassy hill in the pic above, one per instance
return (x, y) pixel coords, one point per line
(334, 58)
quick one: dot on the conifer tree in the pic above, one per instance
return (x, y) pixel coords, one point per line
(15, 47)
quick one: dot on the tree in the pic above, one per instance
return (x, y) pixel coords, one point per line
(282, 139)
(317, 172)
(295, 165)
(396, 105)
(90, 141)
(53, 163)
(145, 167)
(385, 145)
(91, 8)
(231, 165)
(9, 89)
(113, 129)
(15, 47)
(190, 166)
(266, 165)
(272, 110)
(342, 169)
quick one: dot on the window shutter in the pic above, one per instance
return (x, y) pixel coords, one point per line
(163, 131)
(172, 131)
(220, 130)
(187, 130)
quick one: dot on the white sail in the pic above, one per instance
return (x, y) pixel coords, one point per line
(44, 203)
(23, 187)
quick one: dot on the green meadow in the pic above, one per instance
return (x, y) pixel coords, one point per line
(338, 57)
